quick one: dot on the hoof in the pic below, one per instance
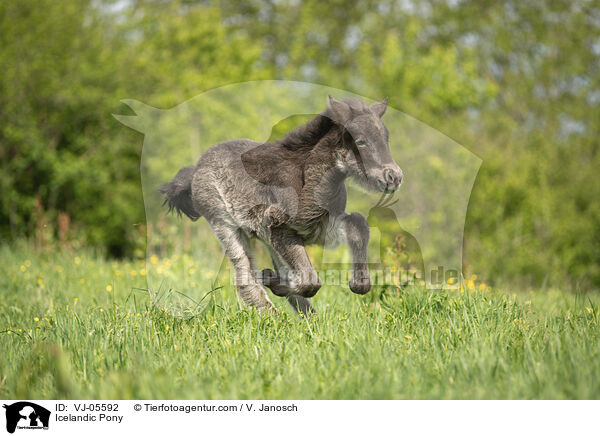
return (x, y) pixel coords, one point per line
(269, 277)
(271, 281)
(360, 286)
(308, 290)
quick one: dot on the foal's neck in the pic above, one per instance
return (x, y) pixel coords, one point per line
(323, 179)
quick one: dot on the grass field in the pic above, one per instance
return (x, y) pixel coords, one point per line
(73, 326)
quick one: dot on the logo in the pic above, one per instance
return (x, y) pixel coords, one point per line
(420, 229)
(26, 415)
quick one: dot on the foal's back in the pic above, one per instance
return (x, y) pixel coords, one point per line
(234, 179)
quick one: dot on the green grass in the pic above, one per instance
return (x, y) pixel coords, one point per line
(409, 344)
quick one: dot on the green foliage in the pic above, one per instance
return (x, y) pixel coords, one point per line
(82, 327)
(64, 71)
(514, 82)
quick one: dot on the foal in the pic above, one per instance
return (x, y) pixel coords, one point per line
(289, 193)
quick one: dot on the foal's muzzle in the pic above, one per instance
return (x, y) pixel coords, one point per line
(390, 179)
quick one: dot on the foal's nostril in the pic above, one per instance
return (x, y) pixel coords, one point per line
(390, 177)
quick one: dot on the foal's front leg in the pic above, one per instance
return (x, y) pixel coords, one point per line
(355, 228)
(273, 280)
(295, 275)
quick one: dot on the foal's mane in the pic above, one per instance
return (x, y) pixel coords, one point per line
(307, 135)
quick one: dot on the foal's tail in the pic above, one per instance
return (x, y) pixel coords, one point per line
(178, 193)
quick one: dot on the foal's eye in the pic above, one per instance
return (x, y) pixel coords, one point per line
(360, 142)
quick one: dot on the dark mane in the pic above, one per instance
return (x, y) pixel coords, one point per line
(306, 136)
(309, 134)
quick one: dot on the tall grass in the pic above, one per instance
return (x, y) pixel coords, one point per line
(77, 326)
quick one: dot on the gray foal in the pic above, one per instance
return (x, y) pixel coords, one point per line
(289, 193)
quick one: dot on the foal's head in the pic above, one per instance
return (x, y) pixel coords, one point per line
(364, 153)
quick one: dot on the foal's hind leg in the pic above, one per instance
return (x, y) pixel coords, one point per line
(238, 251)
(299, 303)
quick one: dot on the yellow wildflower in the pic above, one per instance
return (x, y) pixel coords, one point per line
(108, 288)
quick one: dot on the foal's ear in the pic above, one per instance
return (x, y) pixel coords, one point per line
(340, 111)
(380, 107)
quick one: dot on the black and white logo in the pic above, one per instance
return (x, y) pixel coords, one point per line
(26, 415)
